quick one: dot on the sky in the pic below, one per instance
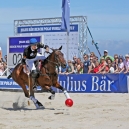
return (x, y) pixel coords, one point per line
(108, 20)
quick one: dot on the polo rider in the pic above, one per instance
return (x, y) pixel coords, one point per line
(30, 55)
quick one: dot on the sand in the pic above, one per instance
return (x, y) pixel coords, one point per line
(90, 111)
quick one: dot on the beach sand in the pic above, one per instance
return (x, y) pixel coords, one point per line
(90, 111)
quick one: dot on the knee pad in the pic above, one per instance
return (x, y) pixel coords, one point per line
(34, 74)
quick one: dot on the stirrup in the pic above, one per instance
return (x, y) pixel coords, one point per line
(34, 87)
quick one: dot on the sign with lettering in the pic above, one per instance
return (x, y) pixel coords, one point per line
(48, 28)
(85, 83)
(55, 37)
(16, 46)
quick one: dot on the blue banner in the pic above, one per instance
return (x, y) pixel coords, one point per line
(18, 44)
(83, 83)
(49, 28)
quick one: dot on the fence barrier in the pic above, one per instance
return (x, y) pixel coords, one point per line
(84, 83)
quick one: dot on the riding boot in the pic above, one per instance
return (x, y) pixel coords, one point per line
(34, 75)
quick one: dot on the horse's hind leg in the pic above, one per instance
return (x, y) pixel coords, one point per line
(52, 92)
(24, 89)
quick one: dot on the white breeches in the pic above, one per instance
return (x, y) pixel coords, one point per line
(30, 62)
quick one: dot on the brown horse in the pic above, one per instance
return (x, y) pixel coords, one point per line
(47, 76)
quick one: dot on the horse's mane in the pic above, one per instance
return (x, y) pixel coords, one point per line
(46, 60)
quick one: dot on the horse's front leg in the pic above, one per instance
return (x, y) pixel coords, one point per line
(57, 85)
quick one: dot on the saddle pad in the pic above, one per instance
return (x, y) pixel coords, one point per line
(25, 70)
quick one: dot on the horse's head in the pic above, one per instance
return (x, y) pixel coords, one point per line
(59, 57)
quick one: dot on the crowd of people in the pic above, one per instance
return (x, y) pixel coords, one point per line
(3, 66)
(92, 64)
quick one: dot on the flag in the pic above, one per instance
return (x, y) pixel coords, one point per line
(65, 23)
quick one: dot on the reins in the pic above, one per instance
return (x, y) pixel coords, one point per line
(55, 64)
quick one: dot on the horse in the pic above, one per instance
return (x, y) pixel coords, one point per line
(47, 76)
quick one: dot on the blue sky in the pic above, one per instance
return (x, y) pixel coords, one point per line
(108, 20)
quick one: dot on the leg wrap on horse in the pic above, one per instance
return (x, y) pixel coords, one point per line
(52, 91)
(36, 102)
(66, 94)
(53, 94)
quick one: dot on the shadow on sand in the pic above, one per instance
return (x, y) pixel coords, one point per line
(26, 109)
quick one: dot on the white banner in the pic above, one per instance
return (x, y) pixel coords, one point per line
(55, 38)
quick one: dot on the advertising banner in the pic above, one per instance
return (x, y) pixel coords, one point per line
(55, 37)
(18, 44)
(84, 83)
(48, 28)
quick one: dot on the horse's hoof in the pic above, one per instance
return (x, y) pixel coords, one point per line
(39, 105)
(52, 97)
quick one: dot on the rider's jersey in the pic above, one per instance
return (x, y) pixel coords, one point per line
(29, 53)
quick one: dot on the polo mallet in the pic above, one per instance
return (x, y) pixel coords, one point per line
(28, 86)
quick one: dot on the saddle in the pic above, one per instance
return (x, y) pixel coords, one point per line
(38, 65)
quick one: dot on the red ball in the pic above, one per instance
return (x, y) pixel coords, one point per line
(69, 102)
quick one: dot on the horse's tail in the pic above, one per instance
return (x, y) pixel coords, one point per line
(17, 69)
(9, 76)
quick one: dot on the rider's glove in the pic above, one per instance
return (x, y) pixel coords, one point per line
(41, 45)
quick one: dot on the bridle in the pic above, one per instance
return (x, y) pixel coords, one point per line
(56, 56)
(56, 62)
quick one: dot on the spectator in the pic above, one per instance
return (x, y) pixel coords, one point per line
(96, 58)
(93, 57)
(61, 70)
(92, 66)
(126, 63)
(79, 66)
(116, 56)
(106, 69)
(86, 64)
(75, 68)
(92, 54)
(115, 65)
(81, 71)
(4, 62)
(110, 68)
(105, 56)
(70, 68)
(74, 60)
(120, 67)
(97, 67)
(102, 65)
(1, 68)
